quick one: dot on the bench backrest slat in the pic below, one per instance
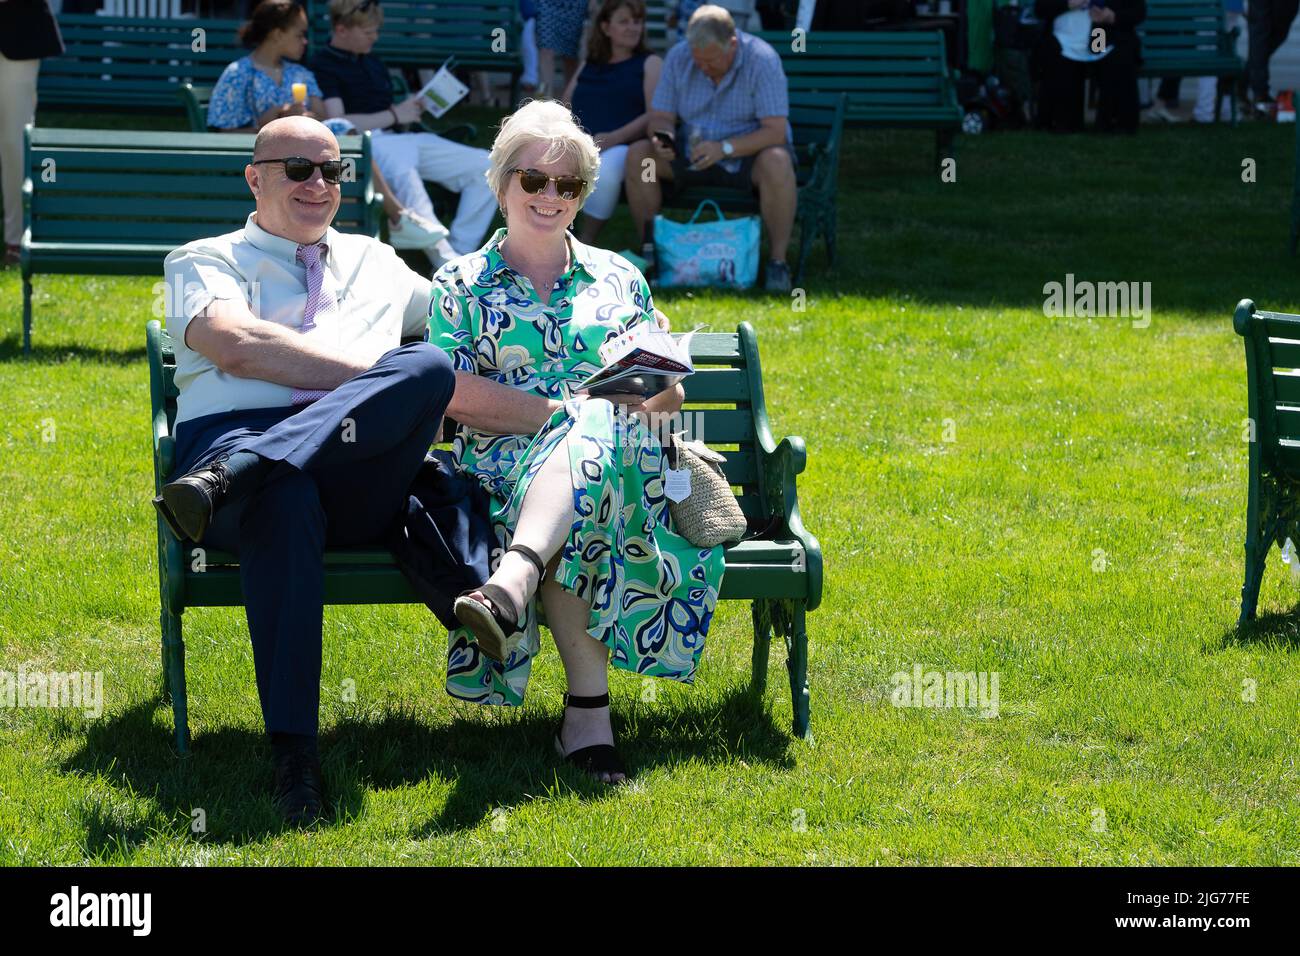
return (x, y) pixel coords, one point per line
(123, 187)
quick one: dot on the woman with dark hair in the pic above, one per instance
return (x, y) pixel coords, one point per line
(610, 97)
(258, 88)
(1089, 38)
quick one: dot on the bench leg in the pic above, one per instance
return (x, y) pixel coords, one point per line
(797, 664)
(830, 225)
(173, 677)
(1256, 557)
(762, 644)
(807, 235)
(27, 315)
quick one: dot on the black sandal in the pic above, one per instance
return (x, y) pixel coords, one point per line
(598, 758)
(492, 626)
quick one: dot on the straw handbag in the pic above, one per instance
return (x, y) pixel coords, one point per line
(709, 515)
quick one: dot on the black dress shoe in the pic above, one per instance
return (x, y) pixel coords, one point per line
(298, 789)
(188, 503)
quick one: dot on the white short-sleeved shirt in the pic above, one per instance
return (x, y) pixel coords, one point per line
(380, 302)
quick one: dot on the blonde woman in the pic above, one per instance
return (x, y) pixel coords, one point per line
(577, 485)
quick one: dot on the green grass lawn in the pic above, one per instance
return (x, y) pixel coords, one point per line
(1081, 536)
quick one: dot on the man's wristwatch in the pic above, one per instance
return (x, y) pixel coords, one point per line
(727, 148)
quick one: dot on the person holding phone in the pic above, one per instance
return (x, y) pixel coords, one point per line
(577, 483)
(727, 91)
(609, 97)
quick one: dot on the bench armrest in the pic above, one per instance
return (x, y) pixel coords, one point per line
(779, 464)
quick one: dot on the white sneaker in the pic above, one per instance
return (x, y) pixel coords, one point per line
(413, 231)
(441, 254)
(1158, 111)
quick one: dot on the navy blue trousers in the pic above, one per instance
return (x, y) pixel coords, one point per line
(346, 463)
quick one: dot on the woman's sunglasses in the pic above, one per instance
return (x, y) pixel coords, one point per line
(568, 187)
(299, 169)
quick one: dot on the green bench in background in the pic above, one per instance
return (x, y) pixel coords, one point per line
(195, 100)
(780, 571)
(1189, 38)
(485, 35)
(111, 202)
(893, 79)
(817, 124)
(1272, 341)
(134, 62)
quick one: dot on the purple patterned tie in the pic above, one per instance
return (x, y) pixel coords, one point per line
(318, 302)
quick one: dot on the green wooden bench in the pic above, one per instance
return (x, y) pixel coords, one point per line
(893, 79)
(195, 100)
(485, 35)
(779, 572)
(1272, 341)
(817, 125)
(134, 62)
(113, 202)
(1189, 38)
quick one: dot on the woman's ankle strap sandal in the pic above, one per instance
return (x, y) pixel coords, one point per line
(598, 758)
(492, 626)
(573, 700)
(532, 557)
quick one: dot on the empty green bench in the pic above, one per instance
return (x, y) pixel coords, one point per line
(134, 62)
(113, 202)
(817, 125)
(893, 79)
(1272, 341)
(779, 571)
(1189, 38)
(485, 35)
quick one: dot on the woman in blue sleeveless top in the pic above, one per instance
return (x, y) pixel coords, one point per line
(610, 97)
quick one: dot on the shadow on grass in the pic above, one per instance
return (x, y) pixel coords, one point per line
(11, 350)
(1278, 630)
(488, 764)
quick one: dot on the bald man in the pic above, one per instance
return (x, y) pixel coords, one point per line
(302, 418)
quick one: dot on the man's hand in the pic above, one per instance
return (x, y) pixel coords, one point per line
(706, 154)
(661, 151)
(409, 110)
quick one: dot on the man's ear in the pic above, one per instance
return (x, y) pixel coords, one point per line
(252, 178)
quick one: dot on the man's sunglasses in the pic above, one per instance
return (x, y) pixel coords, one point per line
(299, 169)
(568, 187)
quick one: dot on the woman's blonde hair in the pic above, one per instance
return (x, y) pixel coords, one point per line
(541, 121)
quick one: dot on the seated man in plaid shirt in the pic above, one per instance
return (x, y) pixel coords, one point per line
(722, 97)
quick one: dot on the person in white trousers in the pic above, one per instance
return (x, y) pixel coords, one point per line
(355, 86)
(28, 32)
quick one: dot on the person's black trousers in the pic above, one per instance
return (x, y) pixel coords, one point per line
(346, 464)
(1268, 22)
(1060, 105)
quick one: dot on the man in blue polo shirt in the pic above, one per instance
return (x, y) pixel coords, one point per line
(354, 85)
(722, 95)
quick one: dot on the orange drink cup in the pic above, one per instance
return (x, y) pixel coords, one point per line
(300, 92)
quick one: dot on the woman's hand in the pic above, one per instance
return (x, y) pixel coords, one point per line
(662, 321)
(1101, 14)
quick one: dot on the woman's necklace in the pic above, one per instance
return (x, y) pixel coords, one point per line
(275, 71)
